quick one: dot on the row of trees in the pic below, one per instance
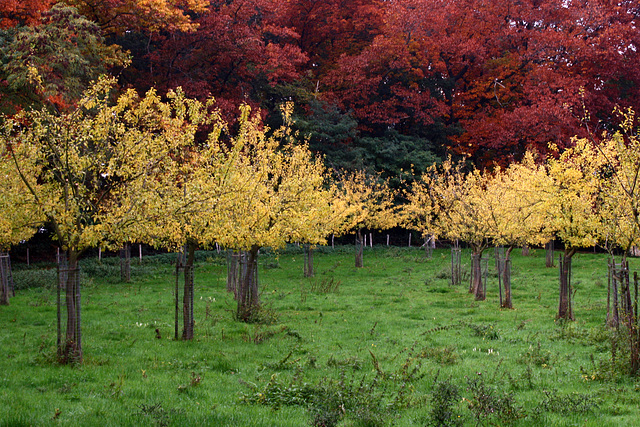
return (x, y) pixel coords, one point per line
(376, 83)
(170, 173)
(585, 195)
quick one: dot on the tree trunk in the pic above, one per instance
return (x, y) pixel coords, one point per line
(565, 310)
(188, 321)
(5, 279)
(506, 278)
(359, 249)
(477, 285)
(456, 268)
(69, 351)
(248, 296)
(548, 247)
(233, 260)
(125, 263)
(308, 261)
(525, 250)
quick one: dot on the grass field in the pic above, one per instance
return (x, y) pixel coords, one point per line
(388, 344)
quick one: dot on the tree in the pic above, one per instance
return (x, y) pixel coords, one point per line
(516, 217)
(119, 16)
(238, 54)
(573, 206)
(281, 197)
(22, 12)
(495, 78)
(457, 203)
(76, 167)
(18, 221)
(368, 203)
(54, 63)
(621, 150)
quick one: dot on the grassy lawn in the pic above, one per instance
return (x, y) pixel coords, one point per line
(388, 344)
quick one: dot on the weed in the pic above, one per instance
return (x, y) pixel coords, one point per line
(486, 402)
(489, 332)
(444, 398)
(568, 403)
(326, 286)
(160, 416)
(352, 362)
(193, 382)
(445, 355)
(535, 355)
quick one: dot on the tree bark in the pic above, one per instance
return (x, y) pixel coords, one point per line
(248, 296)
(188, 321)
(549, 254)
(125, 263)
(5, 274)
(506, 278)
(477, 285)
(359, 249)
(565, 310)
(70, 351)
(308, 261)
(233, 260)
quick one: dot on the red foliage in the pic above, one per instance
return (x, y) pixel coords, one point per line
(238, 50)
(22, 12)
(508, 72)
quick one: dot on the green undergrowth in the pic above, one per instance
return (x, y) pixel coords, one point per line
(388, 344)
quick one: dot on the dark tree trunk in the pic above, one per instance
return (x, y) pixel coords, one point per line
(565, 310)
(525, 250)
(477, 284)
(233, 261)
(548, 248)
(125, 263)
(308, 261)
(359, 249)
(456, 266)
(505, 273)
(69, 349)
(188, 321)
(248, 296)
(6, 282)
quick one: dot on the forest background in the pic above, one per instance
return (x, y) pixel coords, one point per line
(388, 86)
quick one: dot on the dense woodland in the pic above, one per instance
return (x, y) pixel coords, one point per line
(385, 85)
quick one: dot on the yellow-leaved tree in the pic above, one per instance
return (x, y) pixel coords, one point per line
(76, 168)
(515, 213)
(280, 195)
(18, 221)
(458, 206)
(573, 205)
(363, 202)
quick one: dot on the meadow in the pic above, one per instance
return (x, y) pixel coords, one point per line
(388, 344)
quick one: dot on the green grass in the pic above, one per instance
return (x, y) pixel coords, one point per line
(377, 346)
